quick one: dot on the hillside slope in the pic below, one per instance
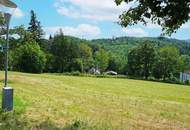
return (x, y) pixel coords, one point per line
(55, 101)
(121, 45)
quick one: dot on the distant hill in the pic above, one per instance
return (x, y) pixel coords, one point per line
(121, 45)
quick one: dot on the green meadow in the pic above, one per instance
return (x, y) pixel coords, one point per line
(58, 102)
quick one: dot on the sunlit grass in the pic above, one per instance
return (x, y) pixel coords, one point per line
(55, 102)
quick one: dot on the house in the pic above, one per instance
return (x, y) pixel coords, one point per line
(94, 71)
(185, 76)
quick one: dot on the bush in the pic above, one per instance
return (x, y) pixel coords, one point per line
(29, 58)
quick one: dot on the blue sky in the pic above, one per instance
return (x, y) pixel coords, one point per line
(85, 19)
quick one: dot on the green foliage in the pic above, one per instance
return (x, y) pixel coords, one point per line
(187, 82)
(158, 70)
(185, 59)
(141, 60)
(65, 53)
(117, 64)
(19, 30)
(134, 64)
(86, 58)
(29, 58)
(24, 37)
(101, 60)
(77, 65)
(168, 62)
(160, 12)
(70, 54)
(35, 27)
(121, 46)
(49, 63)
(125, 55)
(148, 53)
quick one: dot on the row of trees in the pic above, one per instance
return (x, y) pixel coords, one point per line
(30, 52)
(57, 55)
(67, 54)
(146, 60)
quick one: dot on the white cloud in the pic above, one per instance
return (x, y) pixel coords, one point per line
(156, 26)
(18, 13)
(136, 32)
(152, 26)
(186, 26)
(99, 10)
(82, 30)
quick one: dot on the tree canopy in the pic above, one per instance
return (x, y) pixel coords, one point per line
(29, 58)
(168, 62)
(170, 14)
(35, 27)
(141, 59)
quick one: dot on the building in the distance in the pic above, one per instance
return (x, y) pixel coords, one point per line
(185, 76)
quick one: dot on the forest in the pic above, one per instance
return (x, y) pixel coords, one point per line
(144, 58)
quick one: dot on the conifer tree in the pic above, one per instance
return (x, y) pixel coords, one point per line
(35, 27)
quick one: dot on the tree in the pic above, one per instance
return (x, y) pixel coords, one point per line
(185, 59)
(85, 56)
(148, 53)
(101, 59)
(50, 37)
(35, 27)
(19, 30)
(23, 37)
(141, 59)
(39, 31)
(65, 52)
(170, 14)
(117, 64)
(134, 67)
(112, 64)
(168, 63)
(28, 58)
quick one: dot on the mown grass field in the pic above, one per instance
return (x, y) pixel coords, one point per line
(51, 102)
